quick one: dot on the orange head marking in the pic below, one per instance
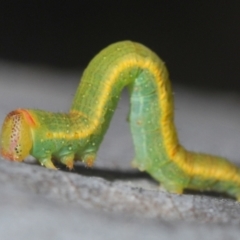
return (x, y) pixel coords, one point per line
(16, 137)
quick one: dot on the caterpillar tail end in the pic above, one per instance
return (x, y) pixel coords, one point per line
(16, 137)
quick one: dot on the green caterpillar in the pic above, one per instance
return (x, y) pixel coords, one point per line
(78, 134)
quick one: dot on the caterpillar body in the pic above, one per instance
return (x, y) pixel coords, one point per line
(78, 134)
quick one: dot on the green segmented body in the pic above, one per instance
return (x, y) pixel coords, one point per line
(78, 134)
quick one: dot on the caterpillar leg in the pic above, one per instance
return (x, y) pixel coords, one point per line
(171, 177)
(139, 165)
(47, 162)
(68, 160)
(134, 163)
(89, 159)
(173, 187)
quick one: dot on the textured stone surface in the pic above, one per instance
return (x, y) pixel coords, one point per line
(112, 201)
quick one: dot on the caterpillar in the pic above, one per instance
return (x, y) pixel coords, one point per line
(77, 135)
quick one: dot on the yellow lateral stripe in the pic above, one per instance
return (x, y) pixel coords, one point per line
(174, 150)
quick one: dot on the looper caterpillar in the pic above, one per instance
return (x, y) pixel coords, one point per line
(79, 133)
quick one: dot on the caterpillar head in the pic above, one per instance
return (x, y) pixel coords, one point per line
(16, 137)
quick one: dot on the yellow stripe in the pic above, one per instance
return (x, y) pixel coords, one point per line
(174, 150)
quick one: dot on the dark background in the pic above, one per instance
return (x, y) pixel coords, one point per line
(198, 40)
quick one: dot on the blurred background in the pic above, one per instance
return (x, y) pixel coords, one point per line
(198, 40)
